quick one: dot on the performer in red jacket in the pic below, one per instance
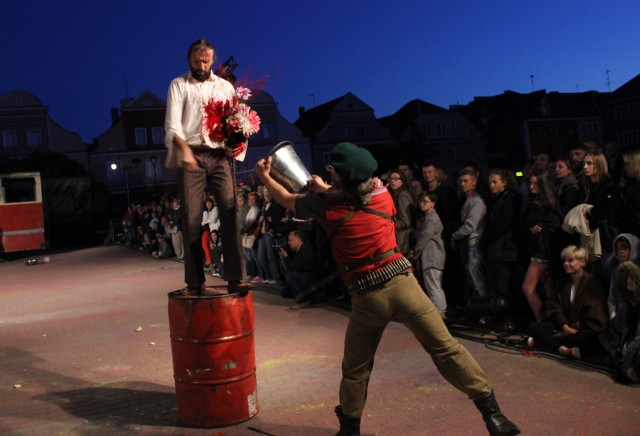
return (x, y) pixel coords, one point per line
(357, 214)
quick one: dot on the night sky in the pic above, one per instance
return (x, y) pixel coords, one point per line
(81, 57)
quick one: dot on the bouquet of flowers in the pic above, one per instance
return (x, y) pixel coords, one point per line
(231, 122)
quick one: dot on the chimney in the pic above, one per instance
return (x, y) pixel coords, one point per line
(301, 111)
(114, 116)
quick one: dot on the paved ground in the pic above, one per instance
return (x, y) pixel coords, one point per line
(72, 363)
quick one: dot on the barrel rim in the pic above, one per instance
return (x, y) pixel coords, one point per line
(177, 295)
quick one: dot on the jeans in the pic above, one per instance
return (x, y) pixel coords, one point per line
(269, 258)
(473, 268)
(250, 261)
(255, 254)
(432, 278)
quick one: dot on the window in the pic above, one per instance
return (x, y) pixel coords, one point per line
(456, 152)
(141, 136)
(267, 131)
(455, 127)
(153, 168)
(34, 138)
(440, 129)
(157, 135)
(9, 138)
(19, 190)
(115, 171)
(360, 132)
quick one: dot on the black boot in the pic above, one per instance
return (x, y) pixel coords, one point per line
(497, 423)
(348, 426)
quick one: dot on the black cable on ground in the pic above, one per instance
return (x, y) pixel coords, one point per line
(514, 344)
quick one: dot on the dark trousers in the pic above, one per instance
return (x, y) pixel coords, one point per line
(586, 340)
(298, 281)
(214, 169)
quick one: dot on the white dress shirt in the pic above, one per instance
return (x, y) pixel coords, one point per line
(185, 109)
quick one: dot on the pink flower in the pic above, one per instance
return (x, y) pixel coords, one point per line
(243, 93)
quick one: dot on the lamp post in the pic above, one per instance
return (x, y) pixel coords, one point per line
(114, 167)
(153, 162)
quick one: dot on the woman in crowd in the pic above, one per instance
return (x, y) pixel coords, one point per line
(272, 214)
(626, 247)
(602, 193)
(622, 338)
(576, 311)
(210, 222)
(567, 188)
(247, 219)
(415, 187)
(501, 251)
(541, 221)
(629, 216)
(404, 206)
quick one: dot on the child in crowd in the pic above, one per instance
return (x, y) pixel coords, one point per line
(576, 310)
(622, 338)
(430, 250)
(625, 247)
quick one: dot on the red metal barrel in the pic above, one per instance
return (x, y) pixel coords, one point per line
(214, 361)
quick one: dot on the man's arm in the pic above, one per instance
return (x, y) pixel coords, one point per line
(189, 162)
(174, 132)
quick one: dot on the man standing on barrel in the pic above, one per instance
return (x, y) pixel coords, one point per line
(201, 160)
(357, 214)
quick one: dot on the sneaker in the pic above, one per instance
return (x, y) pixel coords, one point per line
(302, 305)
(257, 279)
(271, 282)
(572, 353)
(531, 343)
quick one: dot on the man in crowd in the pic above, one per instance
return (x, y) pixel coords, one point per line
(201, 160)
(542, 160)
(299, 267)
(576, 155)
(446, 208)
(466, 239)
(357, 214)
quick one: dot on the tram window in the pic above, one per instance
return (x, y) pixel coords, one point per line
(19, 190)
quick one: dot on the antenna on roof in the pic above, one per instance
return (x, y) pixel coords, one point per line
(608, 82)
(531, 79)
(313, 97)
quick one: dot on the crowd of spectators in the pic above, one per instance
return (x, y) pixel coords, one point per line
(552, 256)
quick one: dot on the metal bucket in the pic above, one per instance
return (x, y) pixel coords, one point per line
(214, 362)
(287, 168)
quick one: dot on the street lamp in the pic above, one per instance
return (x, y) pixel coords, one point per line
(114, 167)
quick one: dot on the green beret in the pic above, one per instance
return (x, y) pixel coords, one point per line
(352, 162)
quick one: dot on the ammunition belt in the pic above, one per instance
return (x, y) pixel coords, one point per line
(364, 282)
